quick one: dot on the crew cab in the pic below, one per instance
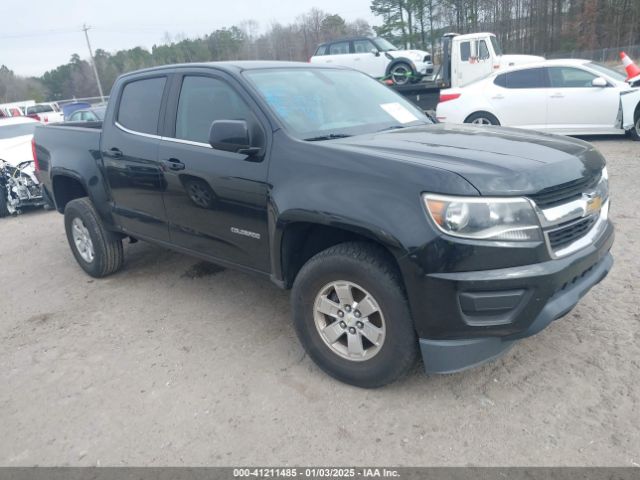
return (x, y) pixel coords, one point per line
(398, 237)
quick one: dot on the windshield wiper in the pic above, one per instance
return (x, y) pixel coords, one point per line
(393, 127)
(329, 136)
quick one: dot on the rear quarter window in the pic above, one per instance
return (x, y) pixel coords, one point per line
(322, 50)
(140, 104)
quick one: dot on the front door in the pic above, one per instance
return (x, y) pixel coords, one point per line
(216, 201)
(129, 150)
(365, 60)
(575, 105)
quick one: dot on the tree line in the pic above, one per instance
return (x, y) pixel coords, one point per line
(523, 26)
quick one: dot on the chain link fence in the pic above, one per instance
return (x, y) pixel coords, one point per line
(609, 56)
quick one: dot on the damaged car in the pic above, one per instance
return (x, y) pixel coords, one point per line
(19, 187)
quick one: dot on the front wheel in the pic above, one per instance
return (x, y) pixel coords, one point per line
(4, 209)
(97, 250)
(634, 133)
(482, 118)
(402, 73)
(352, 317)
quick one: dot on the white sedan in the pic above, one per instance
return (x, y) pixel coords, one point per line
(570, 97)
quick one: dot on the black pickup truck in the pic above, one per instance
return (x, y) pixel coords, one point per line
(397, 236)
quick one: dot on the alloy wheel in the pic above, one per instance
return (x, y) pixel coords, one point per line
(82, 240)
(349, 321)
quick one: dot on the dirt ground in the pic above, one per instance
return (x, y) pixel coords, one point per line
(172, 362)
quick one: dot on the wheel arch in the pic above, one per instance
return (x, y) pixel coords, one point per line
(398, 60)
(483, 111)
(66, 187)
(297, 241)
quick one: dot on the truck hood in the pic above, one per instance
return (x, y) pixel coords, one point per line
(511, 60)
(16, 150)
(495, 160)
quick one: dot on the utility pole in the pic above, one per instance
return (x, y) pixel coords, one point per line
(85, 28)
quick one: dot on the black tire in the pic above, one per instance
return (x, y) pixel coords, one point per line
(483, 117)
(408, 73)
(107, 246)
(368, 266)
(634, 133)
(4, 211)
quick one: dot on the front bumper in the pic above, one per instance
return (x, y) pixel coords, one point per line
(490, 310)
(423, 68)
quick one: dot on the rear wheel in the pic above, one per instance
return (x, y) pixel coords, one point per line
(98, 251)
(482, 118)
(352, 317)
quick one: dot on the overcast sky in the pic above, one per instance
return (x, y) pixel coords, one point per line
(38, 35)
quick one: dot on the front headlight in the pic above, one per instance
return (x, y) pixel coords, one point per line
(501, 219)
(602, 189)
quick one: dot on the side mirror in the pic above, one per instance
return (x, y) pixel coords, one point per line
(231, 136)
(599, 82)
(375, 52)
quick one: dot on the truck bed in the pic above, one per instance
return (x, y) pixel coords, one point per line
(76, 147)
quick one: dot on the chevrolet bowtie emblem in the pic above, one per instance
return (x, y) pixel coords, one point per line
(593, 203)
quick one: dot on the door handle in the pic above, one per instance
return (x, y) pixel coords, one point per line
(174, 164)
(557, 95)
(115, 152)
(497, 97)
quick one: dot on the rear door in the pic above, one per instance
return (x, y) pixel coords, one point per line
(575, 105)
(519, 98)
(129, 149)
(216, 201)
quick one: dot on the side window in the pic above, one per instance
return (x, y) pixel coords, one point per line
(140, 105)
(362, 46)
(528, 78)
(322, 50)
(74, 117)
(465, 51)
(204, 100)
(567, 77)
(340, 48)
(483, 50)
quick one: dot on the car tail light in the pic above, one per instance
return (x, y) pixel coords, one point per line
(445, 97)
(35, 155)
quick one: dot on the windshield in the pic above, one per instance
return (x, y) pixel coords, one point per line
(496, 45)
(19, 130)
(321, 102)
(384, 45)
(610, 72)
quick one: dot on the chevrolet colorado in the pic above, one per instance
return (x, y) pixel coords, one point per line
(397, 236)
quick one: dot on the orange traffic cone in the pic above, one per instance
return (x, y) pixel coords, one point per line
(631, 68)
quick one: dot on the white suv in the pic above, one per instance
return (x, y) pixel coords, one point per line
(376, 57)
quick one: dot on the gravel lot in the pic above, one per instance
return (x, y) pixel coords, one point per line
(175, 362)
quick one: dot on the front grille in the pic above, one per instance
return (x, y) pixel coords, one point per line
(567, 234)
(563, 193)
